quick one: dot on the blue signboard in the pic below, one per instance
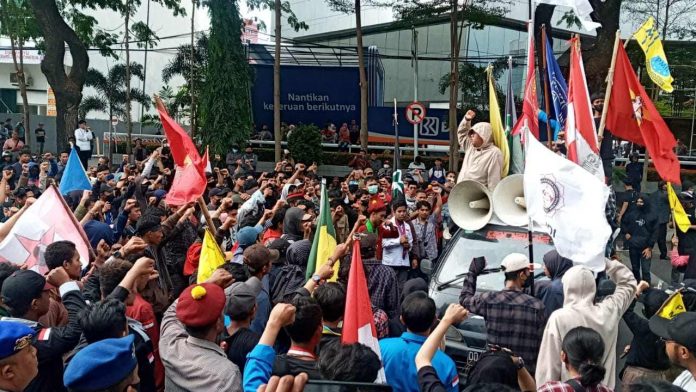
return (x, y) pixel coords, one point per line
(308, 95)
(432, 130)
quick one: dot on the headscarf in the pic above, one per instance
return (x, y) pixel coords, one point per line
(292, 274)
(292, 225)
(556, 264)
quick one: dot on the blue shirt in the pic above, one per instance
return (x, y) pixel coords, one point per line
(258, 367)
(399, 359)
(263, 307)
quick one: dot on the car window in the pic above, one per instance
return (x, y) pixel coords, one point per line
(493, 244)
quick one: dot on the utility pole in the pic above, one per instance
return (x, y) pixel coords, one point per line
(414, 53)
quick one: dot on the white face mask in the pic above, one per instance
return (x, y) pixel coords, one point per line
(386, 166)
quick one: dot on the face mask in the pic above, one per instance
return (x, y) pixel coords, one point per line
(372, 189)
(234, 150)
(386, 166)
(528, 282)
(365, 203)
(599, 108)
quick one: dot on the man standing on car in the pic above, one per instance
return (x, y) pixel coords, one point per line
(514, 320)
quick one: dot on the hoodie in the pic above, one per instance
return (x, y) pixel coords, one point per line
(292, 225)
(551, 293)
(641, 224)
(579, 310)
(483, 164)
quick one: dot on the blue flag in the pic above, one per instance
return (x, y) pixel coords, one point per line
(558, 87)
(74, 177)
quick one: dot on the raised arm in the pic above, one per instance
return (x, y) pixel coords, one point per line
(463, 129)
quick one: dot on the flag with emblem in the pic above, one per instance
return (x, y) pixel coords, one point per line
(397, 185)
(673, 306)
(648, 38)
(633, 117)
(46, 221)
(211, 257)
(324, 242)
(680, 217)
(496, 121)
(581, 135)
(358, 321)
(569, 203)
(558, 87)
(189, 179)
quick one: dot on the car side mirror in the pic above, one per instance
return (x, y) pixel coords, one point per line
(426, 266)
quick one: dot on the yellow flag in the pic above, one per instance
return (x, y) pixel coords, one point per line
(680, 217)
(649, 40)
(672, 307)
(499, 137)
(211, 257)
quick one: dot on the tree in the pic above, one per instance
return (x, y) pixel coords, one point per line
(112, 97)
(225, 107)
(675, 18)
(279, 8)
(17, 24)
(474, 83)
(63, 24)
(193, 73)
(348, 7)
(471, 14)
(176, 103)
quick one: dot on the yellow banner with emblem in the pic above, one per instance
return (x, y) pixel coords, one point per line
(649, 40)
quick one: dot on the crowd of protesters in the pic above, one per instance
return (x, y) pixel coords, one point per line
(136, 319)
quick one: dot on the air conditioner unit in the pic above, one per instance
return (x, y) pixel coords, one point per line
(14, 80)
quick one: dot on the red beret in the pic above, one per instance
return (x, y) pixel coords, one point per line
(297, 195)
(376, 205)
(200, 305)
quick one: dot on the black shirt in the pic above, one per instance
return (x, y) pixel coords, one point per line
(239, 345)
(647, 351)
(606, 150)
(428, 381)
(285, 365)
(40, 135)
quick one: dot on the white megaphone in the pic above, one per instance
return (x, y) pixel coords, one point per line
(470, 205)
(508, 201)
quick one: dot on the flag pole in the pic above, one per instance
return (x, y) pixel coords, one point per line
(610, 84)
(547, 89)
(530, 223)
(206, 214)
(92, 254)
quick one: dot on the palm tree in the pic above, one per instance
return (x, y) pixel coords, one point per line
(177, 104)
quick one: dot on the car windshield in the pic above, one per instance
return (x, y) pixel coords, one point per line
(493, 243)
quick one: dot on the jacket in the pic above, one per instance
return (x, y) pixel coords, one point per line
(578, 310)
(483, 164)
(641, 224)
(52, 343)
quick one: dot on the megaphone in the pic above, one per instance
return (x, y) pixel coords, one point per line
(508, 201)
(470, 205)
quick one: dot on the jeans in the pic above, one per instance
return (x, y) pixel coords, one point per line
(662, 239)
(639, 264)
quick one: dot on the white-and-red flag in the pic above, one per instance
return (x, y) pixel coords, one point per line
(46, 221)
(581, 134)
(358, 322)
(530, 104)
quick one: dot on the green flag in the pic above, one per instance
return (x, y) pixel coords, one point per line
(324, 242)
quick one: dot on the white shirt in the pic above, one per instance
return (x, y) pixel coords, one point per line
(686, 381)
(82, 138)
(393, 253)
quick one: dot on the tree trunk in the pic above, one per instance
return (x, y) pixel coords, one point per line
(129, 123)
(664, 25)
(21, 79)
(276, 83)
(598, 58)
(67, 87)
(363, 78)
(453, 87)
(191, 78)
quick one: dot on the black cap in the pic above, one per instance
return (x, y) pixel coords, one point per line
(22, 287)
(679, 329)
(250, 184)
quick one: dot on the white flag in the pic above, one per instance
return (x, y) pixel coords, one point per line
(569, 202)
(581, 8)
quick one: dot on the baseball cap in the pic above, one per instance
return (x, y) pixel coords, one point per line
(6, 153)
(242, 296)
(216, 192)
(516, 262)
(257, 255)
(200, 304)
(14, 337)
(281, 245)
(678, 329)
(248, 235)
(250, 185)
(22, 287)
(101, 364)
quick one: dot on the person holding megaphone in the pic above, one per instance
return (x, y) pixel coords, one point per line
(483, 160)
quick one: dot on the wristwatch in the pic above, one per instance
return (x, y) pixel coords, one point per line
(118, 254)
(520, 363)
(316, 278)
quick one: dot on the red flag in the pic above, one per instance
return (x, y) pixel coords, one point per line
(189, 179)
(358, 324)
(581, 134)
(632, 116)
(530, 105)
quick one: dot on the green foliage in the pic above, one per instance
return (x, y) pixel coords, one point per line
(473, 83)
(285, 9)
(305, 144)
(225, 109)
(177, 105)
(476, 14)
(111, 93)
(17, 22)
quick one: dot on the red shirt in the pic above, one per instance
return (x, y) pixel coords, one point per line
(142, 311)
